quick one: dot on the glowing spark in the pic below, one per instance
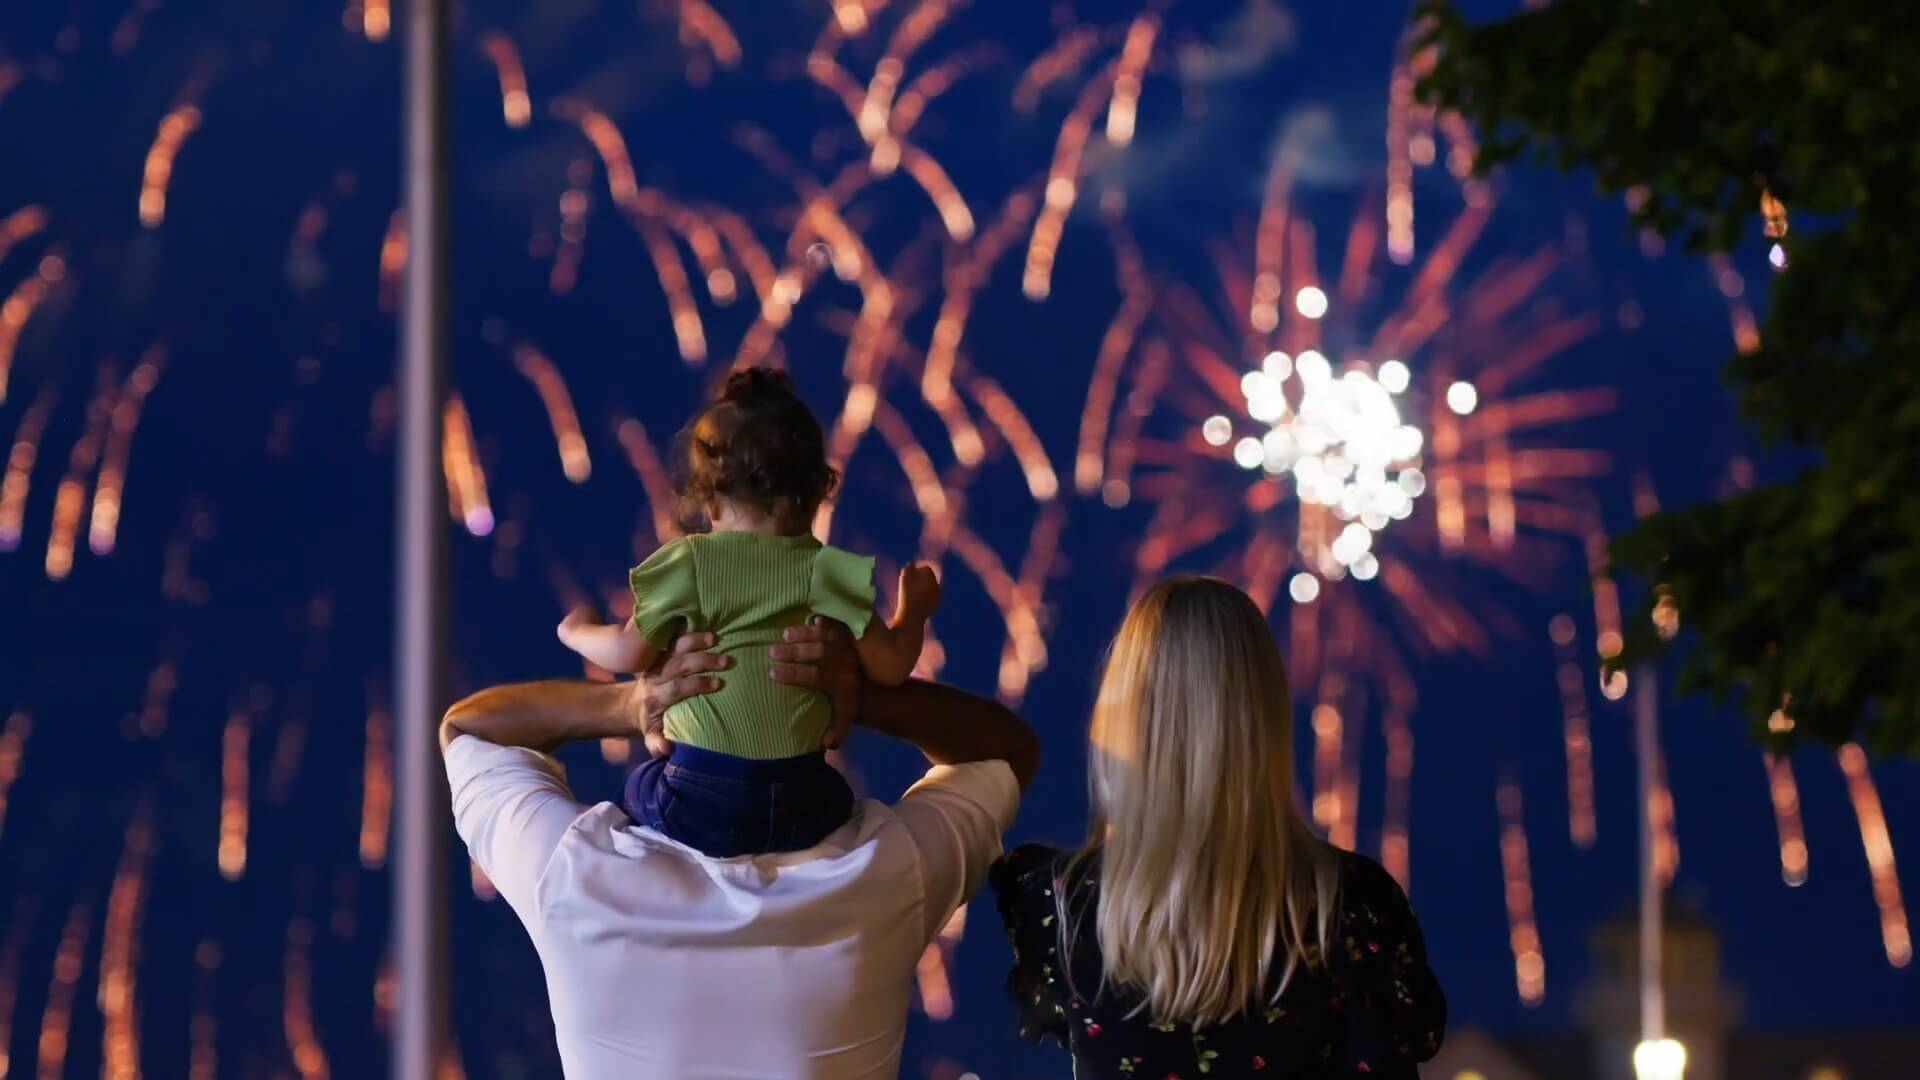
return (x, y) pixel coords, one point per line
(13, 748)
(26, 449)
(1124, 108)
(120, 1041)
(104, 523)
(1311, 302)
(466, 481)
(928, 493)
(21, 225)
(19, 308)
(69, 961)
(515, 105)
(1785, 795)
(873, 117)
(851, 15)
(1027, 447)
(71, 497)
(1063, 180)
(553, 394)
(1576, 731)
(377, 20)
(1777, 257)
(1060, 59)
(174, 129)
(1462, 398)
(1529, 964)
(1879, 844)
(1304, 588)
(297, 1003)
(574, 204)
(234, 793)
(1270, 244)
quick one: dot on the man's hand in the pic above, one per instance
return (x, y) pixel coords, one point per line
(683, 674)
(820, 655)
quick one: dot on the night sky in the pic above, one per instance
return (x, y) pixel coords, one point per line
(253, 547)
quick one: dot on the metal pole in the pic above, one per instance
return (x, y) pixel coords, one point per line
(1646, 732)
(420, 638)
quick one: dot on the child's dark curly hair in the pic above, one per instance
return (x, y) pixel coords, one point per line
(758, 445)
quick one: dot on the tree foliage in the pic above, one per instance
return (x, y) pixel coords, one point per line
(1803, 594)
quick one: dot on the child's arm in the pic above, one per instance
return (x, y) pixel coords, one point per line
(619, 649)
(888, 652)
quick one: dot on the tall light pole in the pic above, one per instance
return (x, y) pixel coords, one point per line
(1657, 1057)
(420, 627)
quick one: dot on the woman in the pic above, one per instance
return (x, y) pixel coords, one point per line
(1202, 929)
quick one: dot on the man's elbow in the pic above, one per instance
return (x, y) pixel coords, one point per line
(453, 723)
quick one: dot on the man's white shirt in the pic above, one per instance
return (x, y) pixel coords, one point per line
(664, 963)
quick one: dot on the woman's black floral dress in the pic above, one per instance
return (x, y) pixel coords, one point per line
(1372, 1009)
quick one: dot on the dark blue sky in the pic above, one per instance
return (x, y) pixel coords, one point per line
(278, 454)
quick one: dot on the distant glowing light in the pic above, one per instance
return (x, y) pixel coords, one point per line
(1310, 302)
(1247, 453)
(1312, 367)
(1217, 430)
(1366, 567)
(1462, 398)
(1778, 257)
(1304, 588)
(1277, 364)
(1394, 376)
(1660, 1059)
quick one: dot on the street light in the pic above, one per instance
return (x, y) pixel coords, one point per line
(1660, 1059)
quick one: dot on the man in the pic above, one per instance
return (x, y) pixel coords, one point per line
(662, 962)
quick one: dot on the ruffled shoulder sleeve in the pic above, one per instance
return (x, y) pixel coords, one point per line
(1396, 1013)
(842, 588)
(1025, 883)
(666, 591)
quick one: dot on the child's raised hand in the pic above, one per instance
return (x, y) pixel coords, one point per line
(582, 616)
(919, 590)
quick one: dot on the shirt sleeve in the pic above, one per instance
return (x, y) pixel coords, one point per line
(665, 591)
(842, 588)
(511, 807)
(1025, 884)
(956, 814)
(1396, 1012)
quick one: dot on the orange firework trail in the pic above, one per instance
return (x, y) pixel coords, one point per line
(118, 999)
(1135, 304)
(18, 928)
(654, 479)
(393, 261)
(1894, 933)
(104, 524)
(20, 225)
(515, 105)
(1746, 331)
(376, 784)
(748, 251)
(1400, 167)
(574, 205)
(1606, 616)
(643, 209)
(1061, 59)
(234, 791)
(1576, 728)
(13, 749)
(71, 497)
(1063, 187)
(466, 480)
(1785, 795)
(873, 117)
(1013, 425)
(1023, 623)
(19, 476)
(1155, 365)
(928, 493)
(1123, 110)
(946, 198)
(699, 23)
(963, 283)
(559, 405)
(69, 961)
(203, 1062)
(297, 1003)
(1529, 964)
(161, 683)
(18, 310)
(174, 129)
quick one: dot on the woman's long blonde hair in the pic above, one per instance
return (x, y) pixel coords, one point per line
(1209, 878)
